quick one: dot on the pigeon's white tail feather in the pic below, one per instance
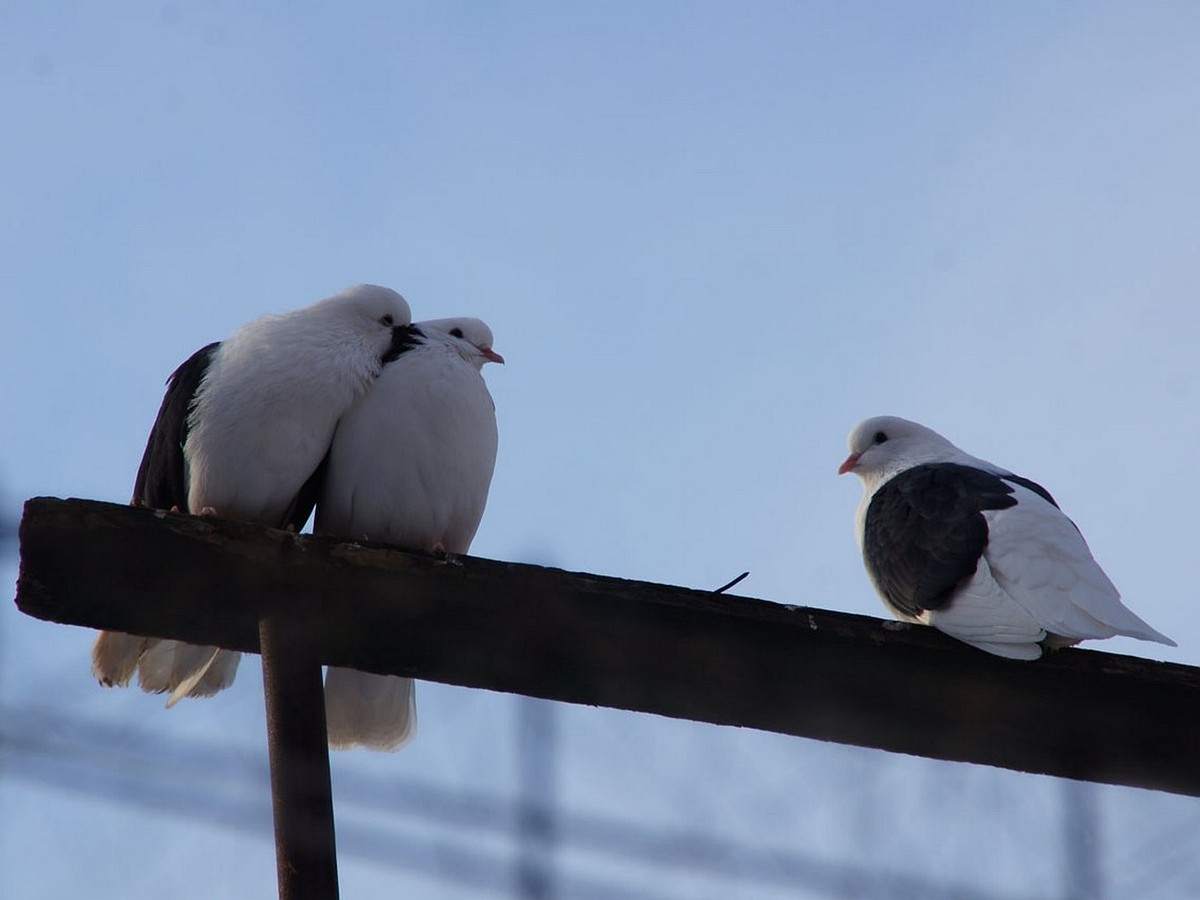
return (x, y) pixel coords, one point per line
(185, 670)
(1108, 620)
(1151, 634)
(1044, 564)
(115, 657)
(215, 675)
(220, 674)
(365, 710)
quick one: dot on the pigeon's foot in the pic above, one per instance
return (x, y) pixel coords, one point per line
(445, 557)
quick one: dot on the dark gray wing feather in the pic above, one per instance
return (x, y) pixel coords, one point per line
(925, 532)
(1031, 485)
(305, 501)
(162, 476)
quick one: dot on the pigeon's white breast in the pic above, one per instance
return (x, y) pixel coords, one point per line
(412, 460)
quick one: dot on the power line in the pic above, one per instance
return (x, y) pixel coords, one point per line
(228, 788)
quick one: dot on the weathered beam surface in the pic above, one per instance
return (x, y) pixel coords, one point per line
(610, 642)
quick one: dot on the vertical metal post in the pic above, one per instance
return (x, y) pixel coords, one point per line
(1083, 869)
(536, 832)
(301, 793)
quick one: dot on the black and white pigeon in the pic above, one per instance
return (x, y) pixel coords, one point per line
(243, 433)
(977, 552)
(411, 464)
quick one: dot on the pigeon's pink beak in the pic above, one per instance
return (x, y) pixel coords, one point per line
(491, 355)
(849, 464)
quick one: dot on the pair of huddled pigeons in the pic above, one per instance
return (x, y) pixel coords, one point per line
(382, 424)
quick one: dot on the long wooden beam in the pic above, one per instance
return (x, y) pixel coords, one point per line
(610, 642)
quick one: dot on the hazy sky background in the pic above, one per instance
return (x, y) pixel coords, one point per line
(709, 238)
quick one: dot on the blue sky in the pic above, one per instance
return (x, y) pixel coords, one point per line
(708, 240)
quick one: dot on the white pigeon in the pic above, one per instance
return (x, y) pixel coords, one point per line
(411, 464)
(243, 432)
(977, 552)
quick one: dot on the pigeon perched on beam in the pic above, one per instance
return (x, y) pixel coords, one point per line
(986, 556)
(242, 433)
(411, 464)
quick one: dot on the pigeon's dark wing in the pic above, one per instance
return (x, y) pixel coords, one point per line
(925, 532)
(404, 338)
(1033, 486)
(305, 501)
(162, 477)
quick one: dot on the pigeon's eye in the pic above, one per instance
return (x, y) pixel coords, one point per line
(880, 437)
(387, 321)
(456, 332)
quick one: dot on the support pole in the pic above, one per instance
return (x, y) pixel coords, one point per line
(537, 776)
(302, 796)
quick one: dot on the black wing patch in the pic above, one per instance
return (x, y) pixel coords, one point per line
(305, 501)
(162, 477)
(925, 532)
(404, 338)
(1033, 486)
